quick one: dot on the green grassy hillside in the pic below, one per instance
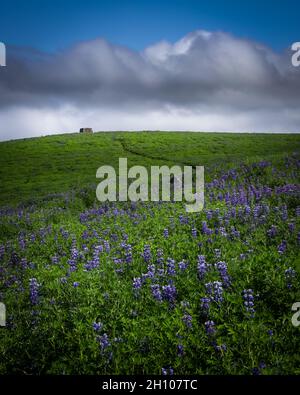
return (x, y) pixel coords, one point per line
(35, 167)
(145, 287)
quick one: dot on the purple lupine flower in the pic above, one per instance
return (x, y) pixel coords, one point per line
(292, 227)
(151, 271)
(282, 247)
(255, 371)
(160, 258)
(284, 213)
(256, 211)
(205, 229)
(166, 233)
(72, 265)
(106, 245)
(205, 304)
(118, 262)
(85, 235)
(97, 249)
(194, 232)
(97, 326)
(187, 319)
(222, 269)
(204, 226)
(137, 283)
(217, 253)
(95, 261)
(182, 265)
(220, 348)
(92, 264)
(233, 210)
(180, 350)
(64, 233)
(201, 267)
(114, 237)
(210, 327)
(34, 291)
(290, 274)
(156, 292)
(76, 284)
(249, 301)
(247, 210)
(222, 231)
(215, 291)
(14, 258)
(166, 371)
(169, 293)
(184, 220)
(85, 248)
(209, 214)
(103, 341)
(128, 253)
(171, 267)
(54, 259)
(262, 365)
(74, 251)
(24, 263)
(234, 232)
(147, 253)
(22, 243)
(272, 232)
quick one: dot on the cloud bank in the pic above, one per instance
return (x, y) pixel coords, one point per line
(206, 81)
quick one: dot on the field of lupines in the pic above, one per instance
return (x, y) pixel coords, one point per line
(145, 288)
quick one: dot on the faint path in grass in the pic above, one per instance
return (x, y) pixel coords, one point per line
(151, 157)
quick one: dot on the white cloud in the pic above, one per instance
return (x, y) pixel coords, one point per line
(205, 81)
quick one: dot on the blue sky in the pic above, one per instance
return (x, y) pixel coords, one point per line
(52, 25)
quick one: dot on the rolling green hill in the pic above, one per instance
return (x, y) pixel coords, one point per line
(35, 167)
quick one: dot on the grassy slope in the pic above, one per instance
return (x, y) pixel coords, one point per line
(39, 166)
(62, 339)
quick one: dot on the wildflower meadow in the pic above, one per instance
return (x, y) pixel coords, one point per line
(145, 287)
